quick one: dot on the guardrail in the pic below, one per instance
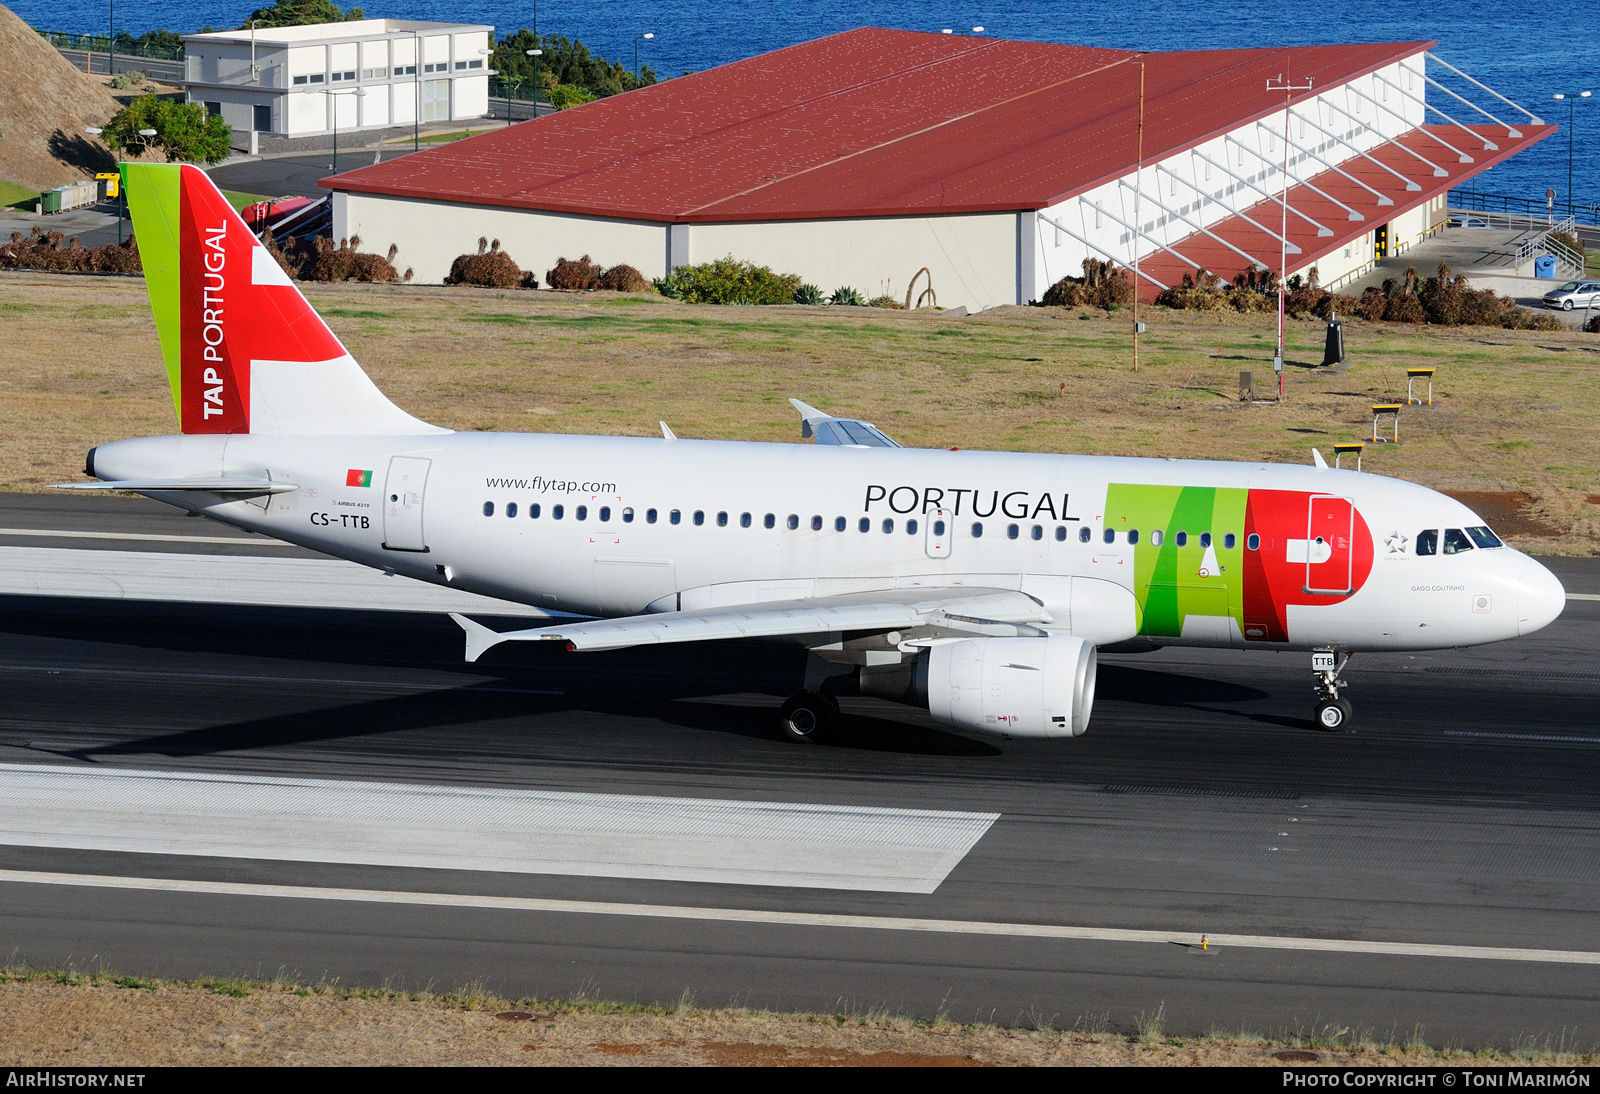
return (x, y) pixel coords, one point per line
(127, 46)
(1543, 209)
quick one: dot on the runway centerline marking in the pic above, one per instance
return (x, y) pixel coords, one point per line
(143, 537)
(760, 917)
(491, 829)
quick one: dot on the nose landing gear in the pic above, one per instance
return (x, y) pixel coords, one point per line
(1332, 712)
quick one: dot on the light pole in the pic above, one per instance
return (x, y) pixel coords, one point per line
(1572, 101)
(1288, 89)
(535, 54)
(506, 81)
(645, 37)
(111, 48)
(333, 100)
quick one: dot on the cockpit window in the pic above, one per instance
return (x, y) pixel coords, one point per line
(1456, 541)
(1428, 541)
(1484, 538)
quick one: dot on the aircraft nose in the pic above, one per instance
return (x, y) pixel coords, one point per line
(1540, 599)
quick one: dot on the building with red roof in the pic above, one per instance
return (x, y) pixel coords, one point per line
(998, 166)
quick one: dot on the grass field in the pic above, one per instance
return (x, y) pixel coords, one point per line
(239, 201)
(1514, 411)
(12, 194)
(64, 1017)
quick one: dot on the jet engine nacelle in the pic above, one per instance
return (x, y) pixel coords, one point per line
(1017, 687)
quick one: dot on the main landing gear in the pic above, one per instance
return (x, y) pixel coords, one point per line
(1333, 712)
(808, 717)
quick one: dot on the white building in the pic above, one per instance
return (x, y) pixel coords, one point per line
(998, 167)
(366, 74)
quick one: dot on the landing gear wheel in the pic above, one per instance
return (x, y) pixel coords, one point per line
(1333, 714)
(808, 717)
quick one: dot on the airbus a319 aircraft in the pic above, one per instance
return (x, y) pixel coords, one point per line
(979, 585)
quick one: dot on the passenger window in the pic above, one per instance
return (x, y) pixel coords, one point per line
(557, 512)
(1061, 533)
(1084, 535)
(1484, 538)
(1205, 539)
(1133, 536)
(938, 528)
(676, 516)
(699, 517)
(722, 519)
(1228, 541)
(769, 521)
(1011, 531)
(864, 524)
(1110, 535)
(839, 524)
(1155, 538)
(627, 516)
(1038, 532)
(744, 520)
(816, 523)
(1428, 541)
(511, 508)
(794, 521)
(977, 530)
(605, 512)
(1456, 541)
(649, 516)
(488, 508)
(533, 511)
(1253, 541)
(581, 512)
(1181, 539)
(888, 525)
(911, 527)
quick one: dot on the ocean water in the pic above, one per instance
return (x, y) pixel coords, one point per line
(1514, 46)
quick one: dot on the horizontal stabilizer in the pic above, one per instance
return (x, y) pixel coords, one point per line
(964, 611)
(252, 487)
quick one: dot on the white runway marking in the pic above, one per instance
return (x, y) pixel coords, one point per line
(144, 537)
(799, 919)
(233, 579)
(473, 828)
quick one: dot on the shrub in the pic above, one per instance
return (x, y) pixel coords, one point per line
(1404, 307)
(809, 294)
(848, 297)
(490, 267)
(624, 279)
(1251, 300)
(729, 281)
(574, 276)
(315, 258)
(1593, 325)
(41, 250)
(886, 302)
(184, 131)
(567, 96)
(1102, 285)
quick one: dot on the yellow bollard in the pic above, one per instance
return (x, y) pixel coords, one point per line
(1205, 943)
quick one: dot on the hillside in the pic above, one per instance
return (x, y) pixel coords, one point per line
(45, 104)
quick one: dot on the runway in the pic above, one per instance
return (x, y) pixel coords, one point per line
(1428, 868)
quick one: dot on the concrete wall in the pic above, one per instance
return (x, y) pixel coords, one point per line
(972, 259)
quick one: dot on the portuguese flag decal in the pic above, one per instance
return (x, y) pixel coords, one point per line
(353, 477)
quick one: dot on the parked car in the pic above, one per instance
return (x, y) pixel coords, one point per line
(1574, 294)
(1466, 222)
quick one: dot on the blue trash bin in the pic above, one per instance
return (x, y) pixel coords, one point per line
(1544, 266)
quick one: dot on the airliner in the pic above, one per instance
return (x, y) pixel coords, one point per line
(979, 586)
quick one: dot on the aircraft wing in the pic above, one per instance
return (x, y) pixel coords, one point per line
(929, 612)
(844, 432)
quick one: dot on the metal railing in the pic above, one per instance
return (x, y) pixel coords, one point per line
(101, 43)
(1540, 208)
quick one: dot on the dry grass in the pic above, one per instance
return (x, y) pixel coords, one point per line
(66, 1018)
(45, 106)
(1515, 411)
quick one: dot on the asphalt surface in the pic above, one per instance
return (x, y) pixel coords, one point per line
(1459, 809)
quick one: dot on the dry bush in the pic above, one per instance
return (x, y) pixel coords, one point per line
(1592, 326)
(315, 258)
(624, 278)
(1249, 300)
(1102, 285)
(41, 250)
(490, 268)
(570, 276)
(1404, 307)
(886, 302)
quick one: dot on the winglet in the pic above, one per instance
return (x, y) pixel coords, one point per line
(480, 639)
(809, 415)
(667, 433)
(1316, 458)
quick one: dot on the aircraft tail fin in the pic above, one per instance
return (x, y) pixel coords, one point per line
(245, 352)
